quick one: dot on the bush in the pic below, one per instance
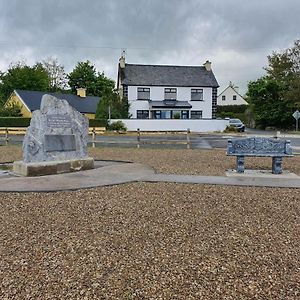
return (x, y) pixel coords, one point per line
(231, 129)
(119, 126)
(14, 122)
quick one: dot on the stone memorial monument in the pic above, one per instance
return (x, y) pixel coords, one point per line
(56, 140)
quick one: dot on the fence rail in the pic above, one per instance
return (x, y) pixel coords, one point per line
(6, 132)
(140, 141)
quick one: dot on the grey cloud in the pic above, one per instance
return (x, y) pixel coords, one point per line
(152, 31)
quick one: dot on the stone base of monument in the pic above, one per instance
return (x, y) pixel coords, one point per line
(52, 167)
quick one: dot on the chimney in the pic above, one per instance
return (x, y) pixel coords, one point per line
(122, 60)
(207, 65)
(81, 92)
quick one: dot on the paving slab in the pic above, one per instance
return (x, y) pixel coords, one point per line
(222, 180)
(261, 174)
(115, 172)
(108, 173)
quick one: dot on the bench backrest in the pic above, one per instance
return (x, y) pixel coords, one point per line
(259, 146)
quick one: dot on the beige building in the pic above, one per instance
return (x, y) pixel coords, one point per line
(29, 101)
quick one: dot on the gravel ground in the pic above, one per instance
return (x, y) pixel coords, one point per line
(190, 162)
(152, 240)
(170, 161)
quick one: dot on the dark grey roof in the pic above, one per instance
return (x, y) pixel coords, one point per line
(170, 103)
(84, 105)
(163, 75)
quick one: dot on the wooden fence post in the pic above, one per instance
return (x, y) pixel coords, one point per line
(188, 141)
(93, 137)
(6, 136)
(138, 138)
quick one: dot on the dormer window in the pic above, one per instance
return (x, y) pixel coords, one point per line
(143, 93)
(170, 93)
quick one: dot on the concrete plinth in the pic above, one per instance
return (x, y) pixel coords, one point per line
(52, 167)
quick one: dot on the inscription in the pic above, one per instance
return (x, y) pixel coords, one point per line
(60, 142)
(58, 121)
(257, 146)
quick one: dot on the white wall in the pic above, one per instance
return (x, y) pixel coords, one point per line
(202, 125)
(158, 94)
(228, 93)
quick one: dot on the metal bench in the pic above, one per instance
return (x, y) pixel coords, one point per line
(259, 147)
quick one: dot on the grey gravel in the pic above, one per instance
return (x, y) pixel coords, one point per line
(151, 241)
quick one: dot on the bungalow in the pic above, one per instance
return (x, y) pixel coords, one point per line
(167, 91)
(29, 101)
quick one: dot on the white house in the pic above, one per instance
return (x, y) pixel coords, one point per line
(167, 91)
(231, 96)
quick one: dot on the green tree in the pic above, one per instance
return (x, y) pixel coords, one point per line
(111, 106)
(285, 68)
(275, 96)
(21, 76)
(268, 106)
(85, 75)
(13, 110)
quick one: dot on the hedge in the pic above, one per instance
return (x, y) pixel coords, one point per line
(232, 108)
(14, 122)
(98, 123)
(232, 115)
(25, 122)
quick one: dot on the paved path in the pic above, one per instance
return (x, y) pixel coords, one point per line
(222, 180)
(111, 173)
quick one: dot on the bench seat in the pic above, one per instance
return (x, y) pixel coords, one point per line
(259, 147)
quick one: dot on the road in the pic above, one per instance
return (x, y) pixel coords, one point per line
(198, 141)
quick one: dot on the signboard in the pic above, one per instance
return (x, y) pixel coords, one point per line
(296, 114)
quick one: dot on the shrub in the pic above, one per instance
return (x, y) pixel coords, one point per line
(231, 129)
(119, 126)
(176, 116)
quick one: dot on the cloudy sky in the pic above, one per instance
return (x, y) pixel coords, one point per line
(235, 35)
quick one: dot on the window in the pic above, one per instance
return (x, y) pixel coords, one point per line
(170, 94)
(196, 114)
(165, 114)
(223, 98)
(196, 94)
(143, 93)
(184, 114)
(156, 114)
(142, 114)
(234, 97)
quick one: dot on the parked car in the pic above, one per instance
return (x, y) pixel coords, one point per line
(237, 123)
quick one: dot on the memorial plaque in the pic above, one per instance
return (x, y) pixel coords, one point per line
(60, 142)
(58, 121)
